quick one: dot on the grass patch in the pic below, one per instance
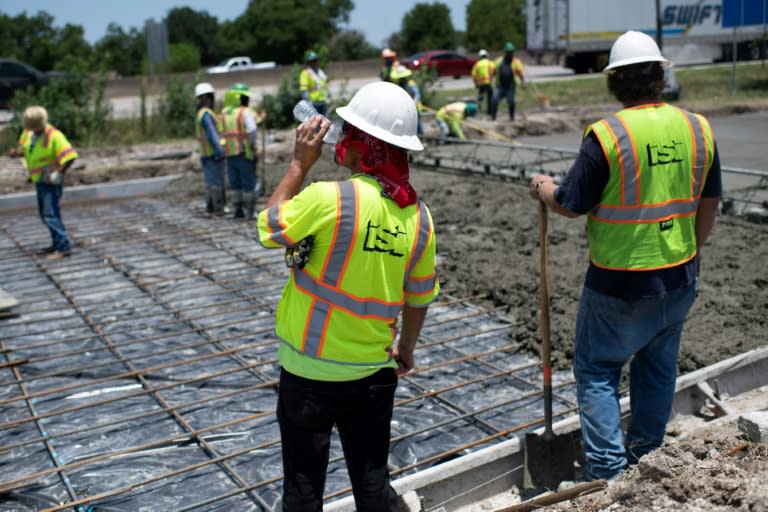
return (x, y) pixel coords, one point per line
(702, 89)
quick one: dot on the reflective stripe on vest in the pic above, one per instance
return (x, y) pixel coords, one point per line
(235, 133)
(205, 147)
(631, 210)
(325, 290)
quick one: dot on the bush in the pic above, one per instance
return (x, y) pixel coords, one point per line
(76, 104)
(183, 57)
(279, 107)
(177, 108)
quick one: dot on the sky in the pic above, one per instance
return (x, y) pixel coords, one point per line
(376, 19)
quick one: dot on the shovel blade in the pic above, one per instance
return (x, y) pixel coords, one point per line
(549, 460)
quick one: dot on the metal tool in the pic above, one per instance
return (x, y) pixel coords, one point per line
(549, 458)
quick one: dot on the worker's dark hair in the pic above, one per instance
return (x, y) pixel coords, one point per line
(244, 100)
(637, 81)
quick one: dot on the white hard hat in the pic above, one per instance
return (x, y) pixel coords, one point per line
(387, 112)
(634, 47)
(482, 53)
(203, 88)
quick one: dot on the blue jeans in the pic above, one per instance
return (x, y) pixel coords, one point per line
(241, 173)
(499, 94)
(610, 331)
(48, 199)
(213, 171)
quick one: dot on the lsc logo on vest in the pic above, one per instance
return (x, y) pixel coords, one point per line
(378, 239)
(664, 154)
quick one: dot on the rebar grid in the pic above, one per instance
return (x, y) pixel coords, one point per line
(186, 335)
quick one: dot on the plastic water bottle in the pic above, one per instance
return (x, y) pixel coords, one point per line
(304, 110)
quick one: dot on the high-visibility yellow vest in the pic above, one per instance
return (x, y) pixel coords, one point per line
(482, 71)
(369, 258)
(315, 83)
(205, 147)
(659, 158)
(51, 150)
(235, 133)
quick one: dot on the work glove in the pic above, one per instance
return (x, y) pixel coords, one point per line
(54, 178)
(298, 256)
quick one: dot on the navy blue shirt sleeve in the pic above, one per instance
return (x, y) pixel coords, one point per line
(583, 185)
(713, 186)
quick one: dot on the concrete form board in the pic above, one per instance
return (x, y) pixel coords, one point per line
(101, 191)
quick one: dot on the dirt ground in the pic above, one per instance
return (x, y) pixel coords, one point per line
(487, 235)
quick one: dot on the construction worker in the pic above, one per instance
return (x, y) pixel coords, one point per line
(509, 71)
(240, 130)
(209, 129)
(389, 64)
(449, 118)
(648, 178)
(362, 251)
(483, 72)
(403, 77)
(313, 84)
(47, 155)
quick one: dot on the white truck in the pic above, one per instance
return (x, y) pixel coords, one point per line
(239, 64)
(692, 30)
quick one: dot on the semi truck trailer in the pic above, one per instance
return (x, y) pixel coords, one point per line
(692, 31)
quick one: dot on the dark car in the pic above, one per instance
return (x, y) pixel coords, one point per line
(445, 62)
(17, 76)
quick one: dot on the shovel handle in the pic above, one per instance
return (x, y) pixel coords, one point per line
(545, 341)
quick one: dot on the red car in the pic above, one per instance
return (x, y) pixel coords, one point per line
(445, 62)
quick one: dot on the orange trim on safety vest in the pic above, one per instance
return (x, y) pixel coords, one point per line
(335, 235)
(661, 267)
(335, 289)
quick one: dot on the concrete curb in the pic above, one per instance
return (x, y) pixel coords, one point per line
(99, 192)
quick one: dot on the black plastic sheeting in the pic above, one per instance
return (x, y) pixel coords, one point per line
(144, 367)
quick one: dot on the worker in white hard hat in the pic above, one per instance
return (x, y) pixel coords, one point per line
(361, 252)
(648, 180)
(482, 73)
(389, 64)
(47, 156)
(209, 132)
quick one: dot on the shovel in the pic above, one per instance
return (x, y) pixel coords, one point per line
(549, 458)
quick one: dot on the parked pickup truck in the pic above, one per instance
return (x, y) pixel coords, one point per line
(239, 64)
(17, 76)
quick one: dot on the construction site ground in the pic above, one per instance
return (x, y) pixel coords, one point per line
(487, 234)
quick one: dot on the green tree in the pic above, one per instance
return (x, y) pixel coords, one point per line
(121, 51)
(70, 41)
(426, 27)
(351, 45)
(197, 28)
(29, 39)
(183, 57)
(491, 32)
(282, 30)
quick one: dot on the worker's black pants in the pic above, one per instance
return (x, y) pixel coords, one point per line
(487, 91)
(307, 410)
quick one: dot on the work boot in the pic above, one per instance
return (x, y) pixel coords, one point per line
(217, 193)
(249, 205)
(237, 204)
(208, 199)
